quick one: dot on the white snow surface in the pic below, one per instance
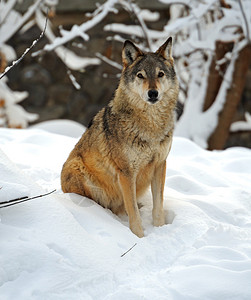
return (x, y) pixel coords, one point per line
(64, 246)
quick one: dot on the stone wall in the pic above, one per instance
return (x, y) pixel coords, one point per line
(51, 93)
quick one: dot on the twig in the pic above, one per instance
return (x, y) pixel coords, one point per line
(14, 200)
(128, 250)
(73, 80)
(245, 20)
(141, 22)
(109, 61)
(15, 62)
(23, 199)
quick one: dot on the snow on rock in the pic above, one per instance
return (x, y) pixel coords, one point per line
(64, 246)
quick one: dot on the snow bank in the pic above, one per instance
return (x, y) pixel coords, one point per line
(65, 127)
(65, 246)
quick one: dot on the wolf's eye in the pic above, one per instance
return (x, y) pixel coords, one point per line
(161, 74)
(139, 75)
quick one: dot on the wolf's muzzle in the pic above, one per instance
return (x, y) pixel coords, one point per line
(153, 96)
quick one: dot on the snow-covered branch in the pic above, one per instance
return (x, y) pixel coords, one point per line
(109, 61)
(15, 62)
(71, 60)
(242, 125)
(246, 28)
(80, 31)
(139, 15)
(14, 21)
(12, 114)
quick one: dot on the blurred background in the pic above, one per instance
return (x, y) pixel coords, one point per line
(73, 70)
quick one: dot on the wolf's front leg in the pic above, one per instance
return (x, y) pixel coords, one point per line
(128, 188)
(157, 186)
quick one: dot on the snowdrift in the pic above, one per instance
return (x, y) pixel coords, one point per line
(64, 246)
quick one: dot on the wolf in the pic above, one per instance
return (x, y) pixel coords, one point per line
(124, 149)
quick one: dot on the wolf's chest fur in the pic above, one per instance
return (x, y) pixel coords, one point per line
(141, 136)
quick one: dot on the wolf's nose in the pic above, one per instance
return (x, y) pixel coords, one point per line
(153, 95)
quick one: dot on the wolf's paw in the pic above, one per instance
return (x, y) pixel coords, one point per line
(138, 230)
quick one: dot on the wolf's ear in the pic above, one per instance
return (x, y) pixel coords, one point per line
(166, 49)
(130, 53)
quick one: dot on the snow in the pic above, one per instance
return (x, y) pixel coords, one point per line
(65, 127)
(242, 125)
(64, 246)
(149, 16)
(13, 114)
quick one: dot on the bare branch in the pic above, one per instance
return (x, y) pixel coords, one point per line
(14, 63)
(128, 250)
(22, 199)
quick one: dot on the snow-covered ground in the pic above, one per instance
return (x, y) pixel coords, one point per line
(64, 246)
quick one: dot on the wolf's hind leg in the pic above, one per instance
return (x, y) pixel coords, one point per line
(73, 180)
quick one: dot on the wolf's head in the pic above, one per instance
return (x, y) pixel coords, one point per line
(149, 75)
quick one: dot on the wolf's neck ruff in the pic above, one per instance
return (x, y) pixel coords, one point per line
(156, 120)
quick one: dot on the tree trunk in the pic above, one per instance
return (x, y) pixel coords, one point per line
(234, 94)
